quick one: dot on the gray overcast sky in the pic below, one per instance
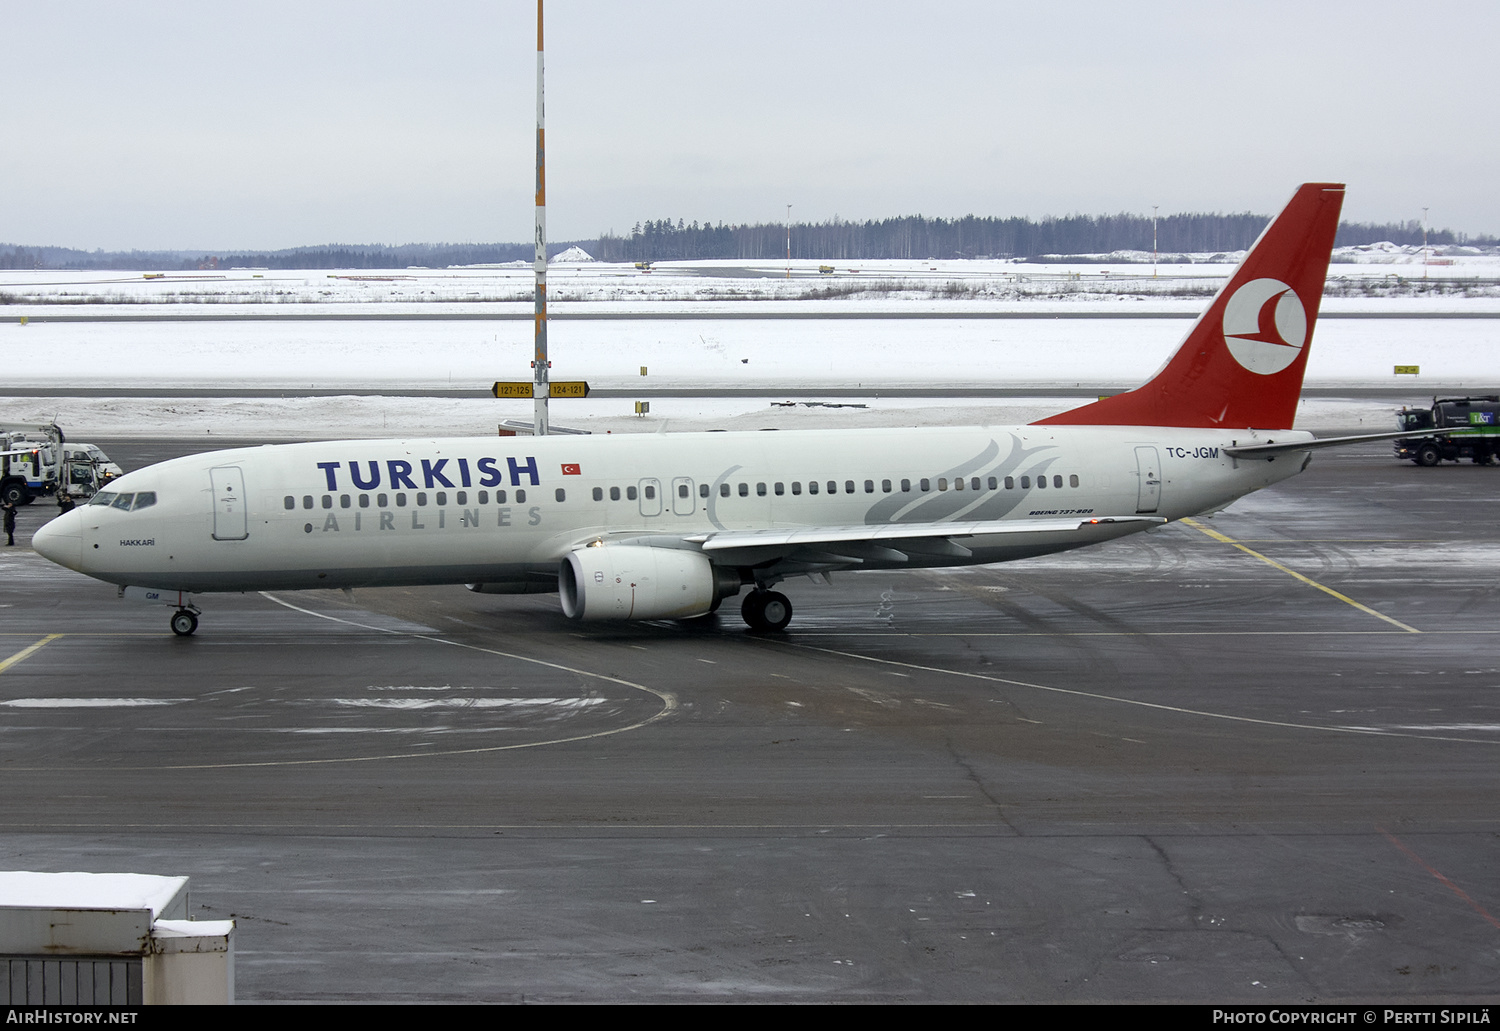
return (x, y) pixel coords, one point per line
(272, 124)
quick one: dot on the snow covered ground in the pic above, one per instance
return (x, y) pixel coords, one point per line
(351, 417)
(747, 354)
(1380, 271)
(283, 350)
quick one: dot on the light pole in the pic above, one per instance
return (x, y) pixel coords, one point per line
(541, 387)
(1153, 241)
(1424, 243)
(788, 241)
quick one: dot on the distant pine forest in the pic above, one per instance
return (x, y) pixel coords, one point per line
(911, 237)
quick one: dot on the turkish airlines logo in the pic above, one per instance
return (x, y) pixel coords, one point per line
(1265, 326)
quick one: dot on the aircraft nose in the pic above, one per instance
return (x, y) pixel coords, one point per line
(61, 540)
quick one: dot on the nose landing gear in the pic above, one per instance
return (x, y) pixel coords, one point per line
(766, 611)
(184, 622)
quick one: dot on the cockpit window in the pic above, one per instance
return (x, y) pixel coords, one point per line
(145, 499)
(104, 497)
(122, 502)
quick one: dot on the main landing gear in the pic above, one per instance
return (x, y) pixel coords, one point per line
(184, 622)
(766, 611)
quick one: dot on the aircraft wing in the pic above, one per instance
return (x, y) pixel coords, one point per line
(1271, 449)
(799, 549)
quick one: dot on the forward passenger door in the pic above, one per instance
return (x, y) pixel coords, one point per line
(230, 522)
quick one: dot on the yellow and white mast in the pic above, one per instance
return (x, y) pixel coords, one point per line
(541, 388)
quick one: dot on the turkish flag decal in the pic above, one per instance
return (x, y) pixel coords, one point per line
(572, 469)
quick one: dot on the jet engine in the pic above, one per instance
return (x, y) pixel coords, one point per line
(627, 581)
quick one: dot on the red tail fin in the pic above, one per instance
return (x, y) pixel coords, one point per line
(1241, 365)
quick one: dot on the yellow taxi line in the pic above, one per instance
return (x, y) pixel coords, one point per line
(1216, 535)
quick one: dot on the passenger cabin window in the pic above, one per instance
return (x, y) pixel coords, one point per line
(650, 493)
(327, 500)
(682, 490)
(796, 486)
(780, 489)
(598, 493)
(307, 501)
(520, 497)
(629, 493)
(614, 493)
(345, 501)
(1073, 480)
(812, 486)
(288, 502)
(703, 490)
(869, 486)
(723, 490)
(560, 494)
(760, 489)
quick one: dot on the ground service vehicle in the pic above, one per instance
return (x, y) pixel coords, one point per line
(1470, 425)
(38, 461)
(28, 462)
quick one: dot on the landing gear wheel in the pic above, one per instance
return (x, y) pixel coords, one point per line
(750, 609)
(766, 611)
(1429, 455)
(184, 623)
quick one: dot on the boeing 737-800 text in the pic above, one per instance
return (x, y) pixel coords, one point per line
(668, 526)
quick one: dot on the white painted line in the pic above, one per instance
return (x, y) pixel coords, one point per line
(1369, 731)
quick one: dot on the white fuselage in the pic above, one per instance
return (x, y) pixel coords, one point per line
(508, 509)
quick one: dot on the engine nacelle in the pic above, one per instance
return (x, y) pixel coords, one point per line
(627, 581)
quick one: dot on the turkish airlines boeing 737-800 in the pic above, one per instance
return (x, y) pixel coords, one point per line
(668, 526)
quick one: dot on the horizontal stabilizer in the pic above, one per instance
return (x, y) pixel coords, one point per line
(1271, 448)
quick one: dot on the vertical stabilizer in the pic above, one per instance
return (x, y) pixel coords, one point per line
(1241, 365)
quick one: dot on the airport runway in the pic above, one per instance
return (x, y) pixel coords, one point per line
(1260, 766)
(749, 313)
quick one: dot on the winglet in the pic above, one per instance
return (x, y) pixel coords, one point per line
(1241, 364)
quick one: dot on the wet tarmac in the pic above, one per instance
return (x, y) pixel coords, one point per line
(1253, 765)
